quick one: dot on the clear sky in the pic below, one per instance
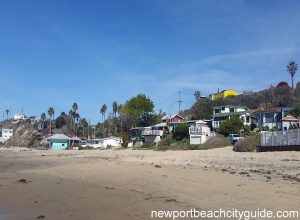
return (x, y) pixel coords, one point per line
(56, 52)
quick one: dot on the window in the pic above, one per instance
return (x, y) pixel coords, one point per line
(269, 117)
(231, 109)
(217, 111)
(247, 119)
(223, 108)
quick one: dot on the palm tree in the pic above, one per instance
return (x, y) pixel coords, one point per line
(115, 108)
(51, 114)
(197, 95)
(7, 111)
(76, 117)
(75, 106)
(292, 69)
(119, 108)
(43, 117)
(103, 110)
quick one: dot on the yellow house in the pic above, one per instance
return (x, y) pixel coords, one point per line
(223, 94)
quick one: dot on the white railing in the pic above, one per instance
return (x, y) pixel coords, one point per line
(152, 132)
(280, 138)
(197, 131)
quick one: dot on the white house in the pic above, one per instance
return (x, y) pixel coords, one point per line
(19, 117)
(221, 113)
(103, 143)
(6, 134)
(154, 134)
(199, 133)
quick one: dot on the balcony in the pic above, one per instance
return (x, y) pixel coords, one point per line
(152, 133)
(197, 131)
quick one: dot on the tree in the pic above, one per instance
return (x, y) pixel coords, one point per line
(231, 126)
(292, 69)
(7, 111)
(75, 107)
(115, 108)
(181, 132)
(138, 106)
(73, 113)
(197, 95)
(295, 112)
(103, 111)
(51, 114)
(43, 117)
(60, 122)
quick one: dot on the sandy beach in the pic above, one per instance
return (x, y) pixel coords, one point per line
(129, 184)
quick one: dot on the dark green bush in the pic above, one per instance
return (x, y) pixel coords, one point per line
(181, 132)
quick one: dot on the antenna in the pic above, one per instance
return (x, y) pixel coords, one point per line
(179, 101)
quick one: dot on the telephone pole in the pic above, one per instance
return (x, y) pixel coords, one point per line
(179, 101)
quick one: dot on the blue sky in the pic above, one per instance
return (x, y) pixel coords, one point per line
(54, 53)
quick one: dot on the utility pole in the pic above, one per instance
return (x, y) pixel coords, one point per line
(179, 101)
(89, 129)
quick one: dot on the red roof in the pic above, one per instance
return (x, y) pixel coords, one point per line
(282, 83)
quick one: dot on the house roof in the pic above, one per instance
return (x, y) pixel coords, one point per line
(200, 122)
(289, 118)
(163, 124)
(137, 128)
(274, 109)
(230, 106)
(58, 137)
(75, 139)
(171, 116)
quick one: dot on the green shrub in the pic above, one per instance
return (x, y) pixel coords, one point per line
(248, 144)
(181, 132)
(231, 126)
(166, 140)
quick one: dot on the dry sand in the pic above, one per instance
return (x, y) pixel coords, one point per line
(129, 184)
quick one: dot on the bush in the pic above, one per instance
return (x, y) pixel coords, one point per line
(248, 144)
(166, 140)
(181, 132)
(217, 141)
(146, 146)
(231, 126)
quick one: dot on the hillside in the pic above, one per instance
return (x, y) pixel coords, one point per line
(282, 96)
(24, 134)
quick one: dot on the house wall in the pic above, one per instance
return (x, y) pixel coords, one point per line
(152, 139)
(223, 94)
(7, 133)
(176, 119)
(59, 145)
(228, 110)
(111, 142)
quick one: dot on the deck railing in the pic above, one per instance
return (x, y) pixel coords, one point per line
(152, 132)
(280, 138)
(197, 131)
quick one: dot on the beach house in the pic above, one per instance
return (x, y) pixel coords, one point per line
(199, 132)
(221, 113)
(272, 118)
(58, 142)
(223, 94)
